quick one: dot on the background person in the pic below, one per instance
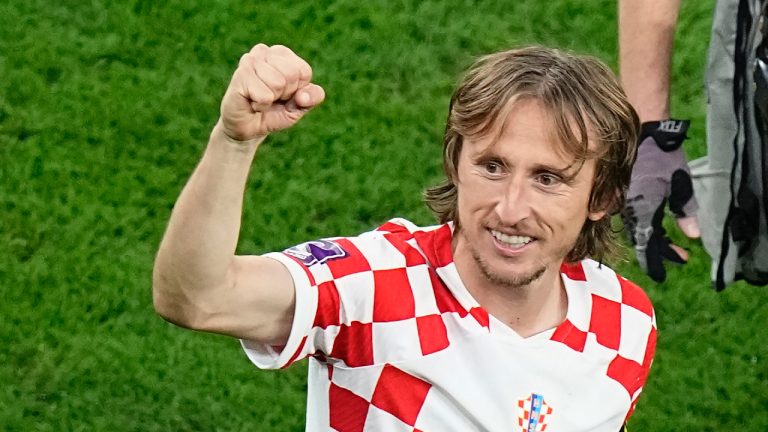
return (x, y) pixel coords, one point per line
(730, 180)
(660, 176)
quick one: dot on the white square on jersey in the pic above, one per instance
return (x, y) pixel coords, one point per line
(579, 304)
(596, 350)
(381, 255)
(321, 273)
(635, 328)
(603, 282)
(381, 420)
(423, 293)
(395, 341)
(357, 305)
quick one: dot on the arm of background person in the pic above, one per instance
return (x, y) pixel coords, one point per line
(198, 281)
(646, 39)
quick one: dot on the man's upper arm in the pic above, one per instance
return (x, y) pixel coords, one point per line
(257, 303)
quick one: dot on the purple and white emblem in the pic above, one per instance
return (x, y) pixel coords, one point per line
(316, 252)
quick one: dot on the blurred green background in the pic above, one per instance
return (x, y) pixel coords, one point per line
(105, 108)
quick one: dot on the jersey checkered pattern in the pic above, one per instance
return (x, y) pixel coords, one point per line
(397, 343)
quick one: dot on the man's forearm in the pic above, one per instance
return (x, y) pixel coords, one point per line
(199, 244)
(646, 38)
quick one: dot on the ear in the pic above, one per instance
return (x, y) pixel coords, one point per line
(596, 216)
(598, 209)
(453, 177)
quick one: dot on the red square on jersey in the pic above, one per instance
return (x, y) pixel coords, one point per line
(434, 243)
(400, 394)
(574, 271)
(568, 334)
(433, 336)
(605, 322)
(354, 344)
(445, 300)
(347, 410)
(627, 373)
(328, 313)
(354, 262)
(392, 297)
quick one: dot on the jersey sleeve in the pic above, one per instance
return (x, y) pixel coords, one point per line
(335, 282)
(267, 356)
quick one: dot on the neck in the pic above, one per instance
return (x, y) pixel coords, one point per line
(528, 309)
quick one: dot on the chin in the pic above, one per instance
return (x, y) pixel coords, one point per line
(508, 278)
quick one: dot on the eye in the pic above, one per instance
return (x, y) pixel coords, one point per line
(547, 179)
(492, 167)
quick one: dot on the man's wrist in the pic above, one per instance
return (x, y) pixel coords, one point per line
(220, 135)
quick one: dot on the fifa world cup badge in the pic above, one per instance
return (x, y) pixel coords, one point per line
(316, 252)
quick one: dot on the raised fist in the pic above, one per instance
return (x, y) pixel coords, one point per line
(270, 91)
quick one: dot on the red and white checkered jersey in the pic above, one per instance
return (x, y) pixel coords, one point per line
(396, 342)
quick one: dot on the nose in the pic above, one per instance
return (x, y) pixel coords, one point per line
(514, 205)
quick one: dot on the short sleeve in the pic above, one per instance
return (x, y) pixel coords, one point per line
(334, 286)
(275, 357)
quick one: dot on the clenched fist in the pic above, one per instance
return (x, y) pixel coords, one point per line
(270, 91)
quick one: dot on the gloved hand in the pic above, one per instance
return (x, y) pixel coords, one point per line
(660, 176)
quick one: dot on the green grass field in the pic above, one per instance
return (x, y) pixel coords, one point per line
(105, 108)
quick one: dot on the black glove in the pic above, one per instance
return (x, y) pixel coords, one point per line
(660, 176)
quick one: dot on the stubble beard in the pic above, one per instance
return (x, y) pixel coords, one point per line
(515, 282)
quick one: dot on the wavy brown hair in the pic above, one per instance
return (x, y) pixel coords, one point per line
(585, 102)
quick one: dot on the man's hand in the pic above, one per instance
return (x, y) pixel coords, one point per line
(660, 176)
(270, 91)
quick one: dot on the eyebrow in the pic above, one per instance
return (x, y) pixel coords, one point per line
(567, 173)
(489, 153)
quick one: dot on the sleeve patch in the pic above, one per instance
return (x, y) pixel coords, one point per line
(316, 252)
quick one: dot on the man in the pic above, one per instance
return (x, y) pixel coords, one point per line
(493, 320)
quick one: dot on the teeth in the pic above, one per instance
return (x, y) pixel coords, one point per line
(514, 240)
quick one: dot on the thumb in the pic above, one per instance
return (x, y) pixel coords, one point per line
(689, 226)
(309, 96)
(683, 203)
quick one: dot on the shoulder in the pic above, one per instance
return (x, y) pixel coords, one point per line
(602, 281)
(618, 315)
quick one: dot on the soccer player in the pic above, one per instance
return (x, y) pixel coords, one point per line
(501, 317)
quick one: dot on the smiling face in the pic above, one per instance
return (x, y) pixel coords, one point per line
(522, 201)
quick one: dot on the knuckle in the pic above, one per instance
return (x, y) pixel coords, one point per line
(306, 72)
(292, 75)
(259, 48)
(280, 81)
(262, 98)
(281, 49)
